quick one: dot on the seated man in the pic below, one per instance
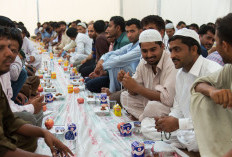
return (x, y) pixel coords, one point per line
(30, 112)
(65, 40)
(206, 34)
(83, 46)
(32, 56)
(125, 58)
(101, 46)
(186, 55)
(211, 99)
(152, 88)
(81, 27)
(18, 74)
(17, 138)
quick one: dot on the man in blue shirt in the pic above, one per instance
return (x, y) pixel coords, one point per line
(206, 34)
(125, 58)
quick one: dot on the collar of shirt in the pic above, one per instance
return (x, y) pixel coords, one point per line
(159, 66)
(196, 68)
(133, 45)
(120, 37)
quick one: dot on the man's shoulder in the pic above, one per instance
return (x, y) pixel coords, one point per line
(210, 65)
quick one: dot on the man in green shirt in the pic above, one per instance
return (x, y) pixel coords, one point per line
(116, 29)
(211, 100)
(17, 138)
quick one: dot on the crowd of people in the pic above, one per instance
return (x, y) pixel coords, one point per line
(175, 80)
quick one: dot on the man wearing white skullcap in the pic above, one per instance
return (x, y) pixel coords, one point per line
(170, 30)
(152, 88)
(81, 27)
(185, 53)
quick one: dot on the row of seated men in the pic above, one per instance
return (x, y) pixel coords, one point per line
(21, 106)
(154, 81)
(157, 78)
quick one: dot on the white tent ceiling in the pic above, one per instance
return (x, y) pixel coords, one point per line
(197, 11)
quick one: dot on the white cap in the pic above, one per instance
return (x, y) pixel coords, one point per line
(150, 35)
(82, 24)
(169, 26)
(40, 29)
(188, 33)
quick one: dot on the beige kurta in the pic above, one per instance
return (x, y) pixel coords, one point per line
(212, 123)
(65, 40)
(163, 81)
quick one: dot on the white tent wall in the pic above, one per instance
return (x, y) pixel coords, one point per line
(56, 10)
(139, 8)
(194, 11)
(197, 11)
(20, 10)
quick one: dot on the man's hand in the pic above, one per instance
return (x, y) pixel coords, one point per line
(38, 104)
(99, 67)
(21, 98)
(222, 97)
(83, 61)
(53, 143)
(120, 76)
(167, 124)
(229, 154)
(129, 83)
(93, 75)
(71, 50)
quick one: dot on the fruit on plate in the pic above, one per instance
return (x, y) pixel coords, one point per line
(80, 100)
(49, 123)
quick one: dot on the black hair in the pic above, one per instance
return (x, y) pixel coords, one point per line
(119, 21)
(62, 23)
(211, 24)
(134, 21)
(155, 19)
(78, 21)
(48, 29)
(15, 34)
(4, 32)
(72, 32)
(223, 27)
(187, 41)
(23, 29)
(74, 22)
(204, 29)
(56, 25)
(195, 26)
(5, 21)
(180, 23)
(167, 21)
(99, 26)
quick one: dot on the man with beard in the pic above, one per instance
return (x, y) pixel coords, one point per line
(211, 99)
(206, 34)
(152, 88)
(17, 138)
(185, 53)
